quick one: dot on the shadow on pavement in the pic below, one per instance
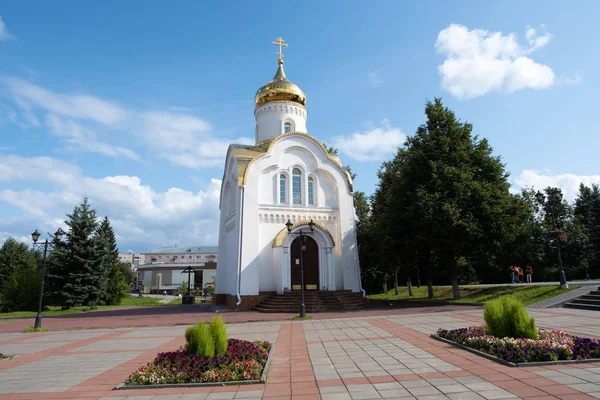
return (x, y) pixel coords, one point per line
(140, 311)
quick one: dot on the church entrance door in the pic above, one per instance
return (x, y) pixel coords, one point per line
(310, 261)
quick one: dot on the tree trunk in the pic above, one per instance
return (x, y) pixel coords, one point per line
(454, 271)
(455, 290)
(385, 288)
(427, 264)
(396, 282)
(409, 284)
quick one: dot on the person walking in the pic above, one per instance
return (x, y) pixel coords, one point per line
(528, 273)
(520, 274)
(511, 270)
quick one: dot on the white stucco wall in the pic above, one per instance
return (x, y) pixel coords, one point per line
(265, 216)
(229, 226)
(270, 119)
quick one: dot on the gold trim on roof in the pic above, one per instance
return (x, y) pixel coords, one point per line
(244, 155)
(271, 142)
(282, 234)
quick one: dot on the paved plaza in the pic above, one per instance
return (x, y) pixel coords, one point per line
(363, 355)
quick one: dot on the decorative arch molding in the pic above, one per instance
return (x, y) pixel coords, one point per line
(332, 162)
(281, 218)
(321, 234)
(327, 266)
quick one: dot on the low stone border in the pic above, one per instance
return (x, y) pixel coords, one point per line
(263, 379)
(510, 364)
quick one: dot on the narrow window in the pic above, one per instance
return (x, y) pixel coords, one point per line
(282, 189)
(310, 191)
(287, 127)
(296, 186)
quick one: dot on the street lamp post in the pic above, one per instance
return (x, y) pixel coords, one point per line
(556, 199)
(46, 245)
(302, 237)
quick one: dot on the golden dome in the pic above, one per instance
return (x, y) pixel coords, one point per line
(279, 89)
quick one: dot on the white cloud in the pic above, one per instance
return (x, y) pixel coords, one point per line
(478, 61)
(70, 105)
(371, 145)
(85, 139)
(569, 183)
(140, 215)
(4, 33)
(375, 78)
(181, 138)
(571, 80)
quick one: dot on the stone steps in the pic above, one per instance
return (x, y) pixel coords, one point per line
(590, 301)
(318, 301)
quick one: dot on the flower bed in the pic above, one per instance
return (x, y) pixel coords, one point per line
(550, 345)
(243, 361)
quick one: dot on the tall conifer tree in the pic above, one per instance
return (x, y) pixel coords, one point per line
(73, 278)
(113, 284)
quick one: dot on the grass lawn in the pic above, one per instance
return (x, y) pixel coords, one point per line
(178, 301)
(130, 301)
(475, 295)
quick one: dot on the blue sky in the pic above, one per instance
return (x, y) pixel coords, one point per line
(134, 104)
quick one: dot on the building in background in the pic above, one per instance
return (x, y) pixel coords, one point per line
(134, 259)
(163, 268)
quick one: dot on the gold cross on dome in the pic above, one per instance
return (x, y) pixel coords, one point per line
(281, 43)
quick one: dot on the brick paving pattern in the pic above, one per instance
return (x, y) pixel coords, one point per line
(363, 355)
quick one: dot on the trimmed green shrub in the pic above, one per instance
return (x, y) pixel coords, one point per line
(199, 340)
(219, 334)
(191, 339)
(206, 345)
(506, 316)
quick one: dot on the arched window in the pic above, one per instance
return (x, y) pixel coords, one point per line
(287, 127)
(297, 186)
(282, 188)
(311, 199)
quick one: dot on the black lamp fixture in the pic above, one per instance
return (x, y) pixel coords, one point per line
(540, 197)
(302, 237)
(35, 236)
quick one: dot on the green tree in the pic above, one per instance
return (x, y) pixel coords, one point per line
(349, 169)
(587, 210)
(118, 288)
(19, 276)
(14, 255)
(127, 272)
(73, 276)
(107, 254)
(113, 284)
(331, 150)
(20, 292)
(446, 204)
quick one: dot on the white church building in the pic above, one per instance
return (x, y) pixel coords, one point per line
(286, 175)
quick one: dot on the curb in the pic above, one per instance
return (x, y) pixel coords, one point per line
(510, 364)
